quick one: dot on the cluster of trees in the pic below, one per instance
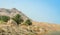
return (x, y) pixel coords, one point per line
(28, 22)
(17, 18)
(4, 18)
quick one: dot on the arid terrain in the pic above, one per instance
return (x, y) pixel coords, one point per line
(13, 28)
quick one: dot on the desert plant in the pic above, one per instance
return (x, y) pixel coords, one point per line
(17, 18)
(4, 18)
(28, 22)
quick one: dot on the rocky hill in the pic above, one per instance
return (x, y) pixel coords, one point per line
(12, 12)
(11, 28)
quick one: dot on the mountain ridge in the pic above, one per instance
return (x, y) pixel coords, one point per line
(12, 12)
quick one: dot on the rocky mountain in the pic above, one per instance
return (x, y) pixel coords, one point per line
(37, 28)
(12, 12)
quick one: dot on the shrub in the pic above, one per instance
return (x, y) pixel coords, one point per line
(17, 18)
(28, 22)
(4, 18)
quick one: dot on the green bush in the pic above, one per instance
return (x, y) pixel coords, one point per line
(28, 22)
(4, 18)
(17, 18)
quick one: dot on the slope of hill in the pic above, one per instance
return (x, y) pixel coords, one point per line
(37, 28)
(48, 26)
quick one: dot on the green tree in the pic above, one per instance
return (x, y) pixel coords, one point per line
(4, 18)
(28, 22)
(17, 18)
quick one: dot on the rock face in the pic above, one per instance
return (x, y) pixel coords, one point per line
(12, 12)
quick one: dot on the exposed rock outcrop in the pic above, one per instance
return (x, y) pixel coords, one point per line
(12, 12)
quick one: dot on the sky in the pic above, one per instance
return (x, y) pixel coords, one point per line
(37, 10)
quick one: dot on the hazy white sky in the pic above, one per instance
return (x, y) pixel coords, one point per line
(38, 10)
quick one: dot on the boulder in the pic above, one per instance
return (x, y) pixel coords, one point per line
(11, 22)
